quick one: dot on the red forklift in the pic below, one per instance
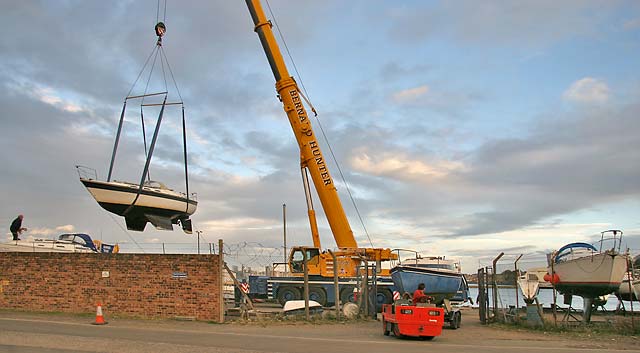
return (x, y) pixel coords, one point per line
(403, 318)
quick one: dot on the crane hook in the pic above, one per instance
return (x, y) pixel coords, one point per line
(161, 29)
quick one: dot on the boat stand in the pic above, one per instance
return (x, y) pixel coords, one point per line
(534, 314)
(570, 313)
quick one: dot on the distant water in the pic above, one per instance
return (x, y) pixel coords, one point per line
(507, 296)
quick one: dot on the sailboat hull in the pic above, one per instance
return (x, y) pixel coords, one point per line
(629, 291)
(590, 276)
(529, 285)
(161, 207)
(439, 284)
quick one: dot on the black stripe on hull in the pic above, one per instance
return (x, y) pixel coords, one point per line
(106, 186)
(589, 290)
(140, 212)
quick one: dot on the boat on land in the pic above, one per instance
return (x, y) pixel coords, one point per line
(529, 285)
(293, 307)
(443, 278)
(540, 272)
(588, 271)
(66, 243)
(630, 287)
(152, 202)
(462, 295)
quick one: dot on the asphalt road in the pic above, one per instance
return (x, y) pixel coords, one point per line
(24, 332)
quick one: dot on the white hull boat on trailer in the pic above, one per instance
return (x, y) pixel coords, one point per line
(156, 203)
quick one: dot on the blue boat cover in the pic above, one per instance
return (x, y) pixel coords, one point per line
(573, 246)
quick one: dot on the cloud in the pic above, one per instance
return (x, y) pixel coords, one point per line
(66, 228)
(411, 95)
(402, 167)
(503, 23)
(588, 90)
(398, 71)
(569, 163)
(249, 223)
(632, 24)
(43, 231)
(47, 95)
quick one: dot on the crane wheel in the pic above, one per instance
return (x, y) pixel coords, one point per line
(384, 296)
(318, 294)
(287, 293)
(346, 295)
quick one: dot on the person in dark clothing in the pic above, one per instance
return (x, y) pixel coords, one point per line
(16, 227)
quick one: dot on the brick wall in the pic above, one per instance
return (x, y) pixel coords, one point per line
(138, 285)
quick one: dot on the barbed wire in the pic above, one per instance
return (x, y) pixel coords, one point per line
(257, 256)
(252, 254)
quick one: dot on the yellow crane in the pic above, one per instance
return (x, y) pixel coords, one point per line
(313, 163)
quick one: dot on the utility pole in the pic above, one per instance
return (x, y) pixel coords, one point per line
(284, 222)
(198, 232)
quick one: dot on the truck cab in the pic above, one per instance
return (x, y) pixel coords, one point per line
(297, 255)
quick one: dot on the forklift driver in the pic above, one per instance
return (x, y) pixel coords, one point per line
(418, 295)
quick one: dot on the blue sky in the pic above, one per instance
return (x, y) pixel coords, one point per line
(463, 128)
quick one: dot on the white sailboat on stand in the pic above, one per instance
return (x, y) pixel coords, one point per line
(629, 289)
(582, 269)
(529, 285)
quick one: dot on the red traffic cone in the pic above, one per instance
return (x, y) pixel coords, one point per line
(99, 317)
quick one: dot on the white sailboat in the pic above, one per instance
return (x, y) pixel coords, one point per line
(582, 269)
(66, 243)
(154, 203)
(630, 287)
(529, 285)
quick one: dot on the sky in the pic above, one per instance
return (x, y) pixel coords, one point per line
(463, 129)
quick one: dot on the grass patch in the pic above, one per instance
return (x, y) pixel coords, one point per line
(611, 327)
(324, 318)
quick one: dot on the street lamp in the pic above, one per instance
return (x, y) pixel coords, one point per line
(198, 232)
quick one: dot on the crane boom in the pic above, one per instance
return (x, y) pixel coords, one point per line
(311, 156)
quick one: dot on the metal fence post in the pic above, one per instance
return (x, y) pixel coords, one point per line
(495, 286)
(221, 280)
(515, 268)
(306, 284)
(553, 285)
(481, 299)
(631, 290)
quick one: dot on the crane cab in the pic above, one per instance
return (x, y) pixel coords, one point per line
(297, 256)
(321, 263)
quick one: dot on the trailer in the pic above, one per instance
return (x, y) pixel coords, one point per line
(321, 290)
(452, 316)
